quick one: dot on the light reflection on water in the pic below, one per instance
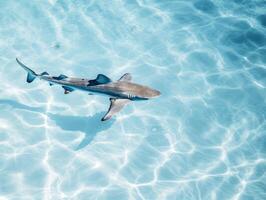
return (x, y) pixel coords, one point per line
(204, 138)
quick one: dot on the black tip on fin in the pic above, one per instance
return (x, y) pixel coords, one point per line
(104, 119)
(44, 73)
(30, 77)
(61, 77)
(102, 79)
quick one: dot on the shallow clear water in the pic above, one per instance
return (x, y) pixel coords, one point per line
(203, 138)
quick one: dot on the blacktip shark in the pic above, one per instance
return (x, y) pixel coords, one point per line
(121, 92)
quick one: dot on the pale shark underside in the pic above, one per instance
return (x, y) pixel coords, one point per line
(121, 92)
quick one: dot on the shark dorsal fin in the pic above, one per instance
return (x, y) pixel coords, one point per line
(126, 77)
(115, 106)
(102, 79)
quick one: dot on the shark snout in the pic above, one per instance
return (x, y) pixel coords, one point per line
(156, 93)
(153, 93)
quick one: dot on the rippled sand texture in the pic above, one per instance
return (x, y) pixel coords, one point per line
(204, 138)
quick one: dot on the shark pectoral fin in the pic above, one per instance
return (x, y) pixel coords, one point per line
(115, 106)
(67, 89)
(102, 79)
(126, 77)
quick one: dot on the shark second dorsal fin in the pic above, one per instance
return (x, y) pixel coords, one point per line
(102, 79)
(60, 77)
(126, 77)
(115, 106)
(44, 73)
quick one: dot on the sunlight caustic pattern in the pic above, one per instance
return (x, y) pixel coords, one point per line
(203, 138)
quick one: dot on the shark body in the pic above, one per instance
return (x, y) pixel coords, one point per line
(121, 92)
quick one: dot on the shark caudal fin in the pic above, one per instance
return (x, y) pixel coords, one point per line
(31, 74)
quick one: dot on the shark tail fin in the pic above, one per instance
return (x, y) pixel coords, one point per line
(31, 74)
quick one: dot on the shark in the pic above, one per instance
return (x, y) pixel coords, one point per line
(120, 92)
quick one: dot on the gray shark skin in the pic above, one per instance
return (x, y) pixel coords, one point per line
(121, 92)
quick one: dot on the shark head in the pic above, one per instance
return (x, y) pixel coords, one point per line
(139, 92)
(152, 93)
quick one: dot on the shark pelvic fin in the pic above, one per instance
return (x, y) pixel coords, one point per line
(102, 79)
(126, 77)
(115, 106)
(67, 89)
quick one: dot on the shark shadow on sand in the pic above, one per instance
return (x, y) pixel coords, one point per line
(90, 125)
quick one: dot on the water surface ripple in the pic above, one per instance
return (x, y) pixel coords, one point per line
(204, 138)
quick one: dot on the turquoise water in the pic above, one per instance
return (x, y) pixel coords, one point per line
(203, 138)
